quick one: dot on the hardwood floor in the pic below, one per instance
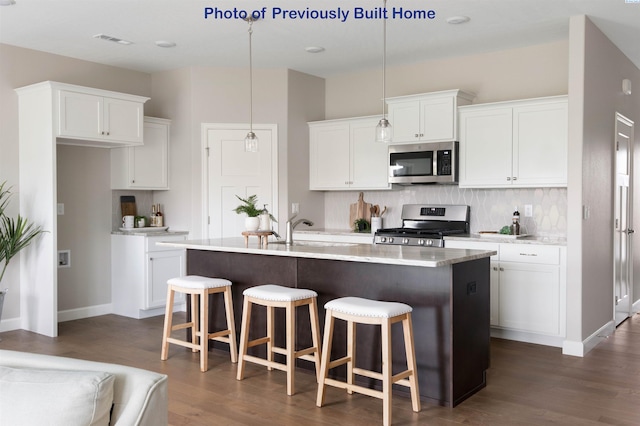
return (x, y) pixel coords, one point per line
(527, 384)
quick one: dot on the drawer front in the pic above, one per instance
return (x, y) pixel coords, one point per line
(530, 253)
(152, 240)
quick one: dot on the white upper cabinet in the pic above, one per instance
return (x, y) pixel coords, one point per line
(514, 144)
(144, 166)
(91, 117)
(426, 117)
(343, 155)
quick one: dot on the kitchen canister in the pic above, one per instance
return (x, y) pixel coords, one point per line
(376, 223)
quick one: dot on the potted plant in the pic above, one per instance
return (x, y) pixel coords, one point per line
(248, 207)
(15, 234)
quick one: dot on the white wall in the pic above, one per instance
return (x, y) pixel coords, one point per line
(83, 187)
(597, 69)
(197, 95)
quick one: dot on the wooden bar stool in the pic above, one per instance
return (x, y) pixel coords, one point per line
(275, 296)
(356, 310)
(195, 286)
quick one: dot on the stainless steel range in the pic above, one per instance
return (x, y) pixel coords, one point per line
(425, 225)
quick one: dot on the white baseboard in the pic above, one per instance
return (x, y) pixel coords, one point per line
(9, 324)
(86, 312)
(576, 348)
(522, 336)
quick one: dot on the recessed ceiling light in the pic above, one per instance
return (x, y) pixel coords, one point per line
(314, 49)
(164, 43)
(458, 20)
(7, 2)
(113, 39)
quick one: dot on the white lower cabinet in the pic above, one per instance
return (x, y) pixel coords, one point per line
(528, 284)
(139, 273)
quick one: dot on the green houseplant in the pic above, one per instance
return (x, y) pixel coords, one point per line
(15, 234)
(250, 208)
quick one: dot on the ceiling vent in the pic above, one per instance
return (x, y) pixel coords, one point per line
(113, 39)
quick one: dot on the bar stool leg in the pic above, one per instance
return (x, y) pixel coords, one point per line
(194, 320)
(407, 328)
(270, 333)
(326, 352)
(351, 353)
(168, 323)
(204, 330)
(291, 343)
(315, 335)
(387, 363)
(231, 325)
(244, 336)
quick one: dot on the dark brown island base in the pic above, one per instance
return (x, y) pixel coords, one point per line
(447, 288)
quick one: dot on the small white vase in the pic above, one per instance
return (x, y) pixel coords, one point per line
(252, 223)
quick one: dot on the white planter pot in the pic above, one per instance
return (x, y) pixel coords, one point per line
(252, 223)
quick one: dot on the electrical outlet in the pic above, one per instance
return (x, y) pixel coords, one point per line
(295, 208)
(528, 210)
(60, 209)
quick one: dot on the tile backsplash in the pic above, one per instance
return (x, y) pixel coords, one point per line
(491, 209)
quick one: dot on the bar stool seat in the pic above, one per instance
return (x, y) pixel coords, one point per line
(199, 287)
(356, 310)
(275, 296)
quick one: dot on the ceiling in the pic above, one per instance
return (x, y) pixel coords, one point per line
(67, 27)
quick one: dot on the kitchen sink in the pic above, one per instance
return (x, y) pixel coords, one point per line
(315, 244)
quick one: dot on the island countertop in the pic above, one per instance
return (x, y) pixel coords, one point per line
(369, 253)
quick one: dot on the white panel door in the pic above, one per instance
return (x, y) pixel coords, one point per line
(231, 172)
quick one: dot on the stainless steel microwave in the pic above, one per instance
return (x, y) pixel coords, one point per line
(419, 163)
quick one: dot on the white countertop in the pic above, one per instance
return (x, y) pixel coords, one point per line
(149, 233)
(352, 252)
(497, 238)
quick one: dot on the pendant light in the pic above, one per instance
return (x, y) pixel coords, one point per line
(251, 140)
(383, 129)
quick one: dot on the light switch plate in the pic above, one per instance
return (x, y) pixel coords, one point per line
(60, 209)
(528, 210)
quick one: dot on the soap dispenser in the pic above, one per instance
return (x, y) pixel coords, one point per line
(515, 225)
(265, 219)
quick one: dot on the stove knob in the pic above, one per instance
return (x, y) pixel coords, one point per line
(420, 242)
(429, 243)
(405, 241)
(383, 239)
(390, 240)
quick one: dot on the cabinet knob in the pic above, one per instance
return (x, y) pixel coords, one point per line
(421, 134)
(515, 178)
(495, 268)
(501, 268)
(508, 178)
(416, 135)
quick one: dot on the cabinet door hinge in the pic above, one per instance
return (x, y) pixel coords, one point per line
(207, 149)
(208, 220)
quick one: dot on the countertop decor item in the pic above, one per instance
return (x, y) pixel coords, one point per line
(359, 210)
(249, 207)
(362, 225)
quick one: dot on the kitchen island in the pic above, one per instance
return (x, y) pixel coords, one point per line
(447, 288)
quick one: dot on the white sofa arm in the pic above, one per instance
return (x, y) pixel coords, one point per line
(140, 397)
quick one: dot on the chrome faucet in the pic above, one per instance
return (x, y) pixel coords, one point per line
(292, 225)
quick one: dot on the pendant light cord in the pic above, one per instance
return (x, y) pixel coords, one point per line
(384, 61)
(251, 77)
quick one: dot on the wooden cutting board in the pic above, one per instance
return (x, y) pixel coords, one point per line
(128, 205)
(359, 210)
